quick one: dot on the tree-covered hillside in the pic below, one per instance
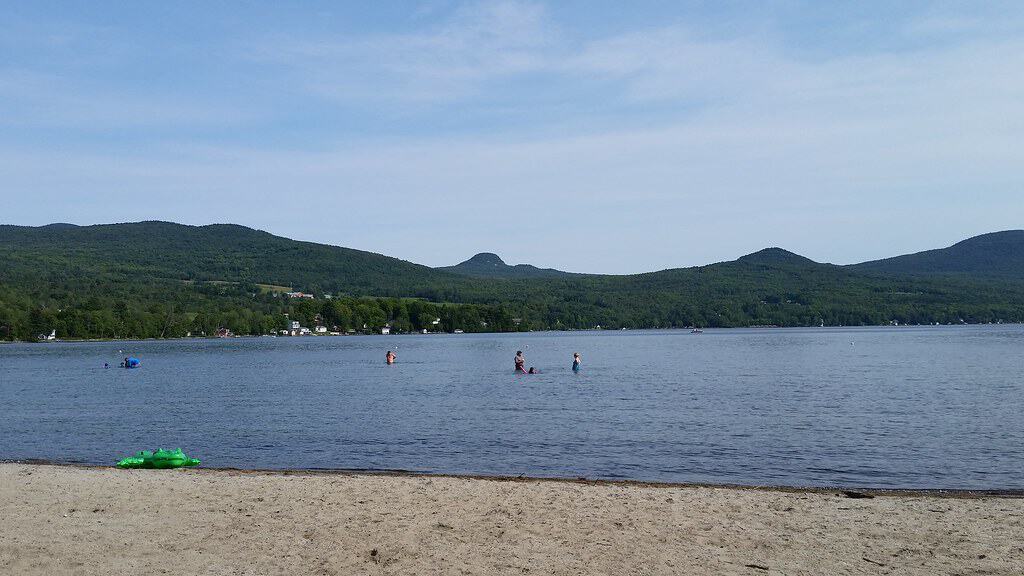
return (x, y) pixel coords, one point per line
(157, 279)
(999, 255)
(216, 252)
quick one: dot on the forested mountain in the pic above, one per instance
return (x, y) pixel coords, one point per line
(158, 279)
(489, 265)
(775, 256)
(218, 252)
(999, 255)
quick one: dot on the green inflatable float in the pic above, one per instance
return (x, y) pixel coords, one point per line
(158, 459)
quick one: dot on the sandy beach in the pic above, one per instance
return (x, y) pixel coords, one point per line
(80, 520)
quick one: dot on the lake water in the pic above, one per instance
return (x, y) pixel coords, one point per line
(928, 407)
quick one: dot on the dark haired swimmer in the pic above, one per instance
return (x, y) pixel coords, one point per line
(520, 363)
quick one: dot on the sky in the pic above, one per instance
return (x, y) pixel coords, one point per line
(590, 136)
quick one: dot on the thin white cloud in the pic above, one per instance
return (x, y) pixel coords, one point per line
(478, 41)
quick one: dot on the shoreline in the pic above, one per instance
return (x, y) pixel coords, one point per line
(857, 491)
(81, 520)
(611, 330)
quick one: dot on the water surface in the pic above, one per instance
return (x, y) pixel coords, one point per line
(928, 407)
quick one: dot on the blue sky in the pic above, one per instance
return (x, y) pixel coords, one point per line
(589, 136)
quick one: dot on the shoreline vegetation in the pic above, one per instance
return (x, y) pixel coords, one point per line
(366, 333)
(84, 520)
(159, 279)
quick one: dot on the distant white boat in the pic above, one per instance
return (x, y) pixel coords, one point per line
(696, 331)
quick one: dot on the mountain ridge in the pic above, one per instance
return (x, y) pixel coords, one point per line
(998, 254)
(154, 279)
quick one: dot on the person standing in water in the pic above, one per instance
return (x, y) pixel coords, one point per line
(520, 362)
(576, 361)
(390, 358)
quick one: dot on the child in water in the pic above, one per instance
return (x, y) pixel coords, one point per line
(520, 362)
(533, 370)
(390, 357)
(576, 361)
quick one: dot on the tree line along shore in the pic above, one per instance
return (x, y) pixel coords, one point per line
(219, 310)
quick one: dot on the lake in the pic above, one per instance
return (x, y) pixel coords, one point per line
(906, 407)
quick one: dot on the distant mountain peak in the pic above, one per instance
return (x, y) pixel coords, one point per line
(490, 265)
(775, 255)
(485, 259)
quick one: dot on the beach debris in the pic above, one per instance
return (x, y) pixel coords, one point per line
(872, 561)
(158, 458)
(756, 567)
(854, 494)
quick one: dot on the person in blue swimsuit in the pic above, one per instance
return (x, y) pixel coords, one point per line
(576, 361)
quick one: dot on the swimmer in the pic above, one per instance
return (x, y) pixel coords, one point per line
(576, 362)
(533, 370)
(390, 357)
(520, 363)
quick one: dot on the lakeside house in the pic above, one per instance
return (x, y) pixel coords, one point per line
(385, 330)
(296, 329)
(298, 295)
(321, 329)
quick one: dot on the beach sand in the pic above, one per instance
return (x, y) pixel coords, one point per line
(79, 520)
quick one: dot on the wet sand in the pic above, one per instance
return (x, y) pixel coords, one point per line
(80, 520)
